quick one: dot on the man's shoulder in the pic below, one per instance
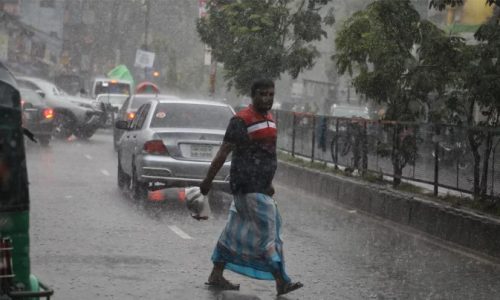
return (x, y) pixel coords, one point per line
(244, 113)
(249, 116)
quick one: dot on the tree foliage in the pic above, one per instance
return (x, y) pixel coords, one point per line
(477, 89)
(397, 59)
(263, 38)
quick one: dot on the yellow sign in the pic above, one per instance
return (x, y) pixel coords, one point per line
(473, 12)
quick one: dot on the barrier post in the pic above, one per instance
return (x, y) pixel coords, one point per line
(313, 136)
(436, 160)
(294, 121)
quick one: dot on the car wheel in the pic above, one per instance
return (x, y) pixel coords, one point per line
(85, 133)
(63, 126)
(123, 178)
(44, 140)
(139, 189)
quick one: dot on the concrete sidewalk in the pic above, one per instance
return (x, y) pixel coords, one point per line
(461, 226)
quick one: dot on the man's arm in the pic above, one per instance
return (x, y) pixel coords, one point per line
(215, 166)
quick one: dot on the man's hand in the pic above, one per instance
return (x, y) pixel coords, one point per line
(205, 186)
(215, 166)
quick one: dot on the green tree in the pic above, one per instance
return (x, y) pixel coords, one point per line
(397, 59)
(477, 90)
(263, 38)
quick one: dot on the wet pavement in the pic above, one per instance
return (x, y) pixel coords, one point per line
(91, 241)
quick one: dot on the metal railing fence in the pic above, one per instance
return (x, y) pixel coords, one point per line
(436, 154)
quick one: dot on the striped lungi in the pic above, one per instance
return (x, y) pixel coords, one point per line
(250, 243)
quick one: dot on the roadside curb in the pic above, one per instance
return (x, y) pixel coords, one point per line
(466, 228)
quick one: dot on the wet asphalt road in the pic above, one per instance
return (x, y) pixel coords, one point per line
(91, 241)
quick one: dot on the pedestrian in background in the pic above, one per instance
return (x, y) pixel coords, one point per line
(250, 243)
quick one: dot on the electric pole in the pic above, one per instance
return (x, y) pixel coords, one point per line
(146, 32)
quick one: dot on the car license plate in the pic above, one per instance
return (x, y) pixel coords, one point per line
(201, 151)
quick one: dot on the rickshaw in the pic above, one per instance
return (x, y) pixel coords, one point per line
(16, 280)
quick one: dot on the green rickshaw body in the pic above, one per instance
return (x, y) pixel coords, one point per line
(14, 193)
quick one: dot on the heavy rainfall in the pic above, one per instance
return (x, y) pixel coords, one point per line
(264, 149)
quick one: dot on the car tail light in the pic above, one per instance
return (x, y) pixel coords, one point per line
(22, 103)
(155, 147)
(48, 113)
(131, 115)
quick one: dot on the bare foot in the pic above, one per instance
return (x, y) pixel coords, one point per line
(222, 283)
(288, 287)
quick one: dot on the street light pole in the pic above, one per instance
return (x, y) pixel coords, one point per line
(146, 33)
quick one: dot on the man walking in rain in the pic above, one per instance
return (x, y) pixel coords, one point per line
(250, 243)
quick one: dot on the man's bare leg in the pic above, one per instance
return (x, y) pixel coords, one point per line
(216, 278)
(216, 274)
(283, 287)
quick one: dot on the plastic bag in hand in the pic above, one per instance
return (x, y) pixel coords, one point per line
(197, 203)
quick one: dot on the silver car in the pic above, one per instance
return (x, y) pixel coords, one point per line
(73, 115)
(171, 143)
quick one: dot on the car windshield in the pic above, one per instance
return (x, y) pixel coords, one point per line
(110, 87)
(113, 99)
(190, 115)
(48, 88)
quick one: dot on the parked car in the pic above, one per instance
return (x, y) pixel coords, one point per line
(37, 116)
(73, 115)
(110, 104)
(129, 108)
(171, 143)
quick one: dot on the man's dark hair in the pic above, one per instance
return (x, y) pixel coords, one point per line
(263, 83)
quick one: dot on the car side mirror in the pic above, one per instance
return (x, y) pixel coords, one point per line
(41, 93)
(121, 124)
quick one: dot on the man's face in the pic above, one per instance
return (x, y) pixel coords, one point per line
(263, 99)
